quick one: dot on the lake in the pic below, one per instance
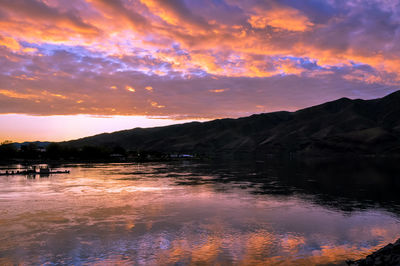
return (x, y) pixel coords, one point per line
(188, 212)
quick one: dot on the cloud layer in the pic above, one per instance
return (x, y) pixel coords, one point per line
(191, 59)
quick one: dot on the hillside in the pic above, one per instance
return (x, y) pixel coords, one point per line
(341, 126)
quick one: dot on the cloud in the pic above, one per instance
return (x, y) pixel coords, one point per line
(280, 19)
(218, 90)
(10, 43)
(175, 12)
(177, 58)
(35, 20)
(129, 88)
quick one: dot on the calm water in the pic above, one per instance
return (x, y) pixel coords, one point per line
(183, 213)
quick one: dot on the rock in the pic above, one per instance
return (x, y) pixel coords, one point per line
(389, 255)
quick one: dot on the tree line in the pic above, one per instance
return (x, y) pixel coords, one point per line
(56, 151)
(63, 152)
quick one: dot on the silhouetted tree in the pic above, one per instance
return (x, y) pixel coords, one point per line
(94, 152)
(54, 151)
(7, 150)
(29, 151)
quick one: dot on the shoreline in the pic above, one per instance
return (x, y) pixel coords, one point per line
(78, 161)
(389, 255)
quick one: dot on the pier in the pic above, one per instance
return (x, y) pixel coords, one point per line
(32, 171)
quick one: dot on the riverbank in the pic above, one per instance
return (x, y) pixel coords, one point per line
(111, 160)
(388, 256)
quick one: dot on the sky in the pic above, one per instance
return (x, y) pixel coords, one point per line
(79, 67)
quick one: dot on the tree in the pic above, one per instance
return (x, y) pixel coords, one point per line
(29, 151)
(7, 150)
(54, 151)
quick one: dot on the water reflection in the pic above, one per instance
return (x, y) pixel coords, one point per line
(243, 213)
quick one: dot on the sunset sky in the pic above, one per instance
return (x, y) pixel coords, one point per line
(79, 67)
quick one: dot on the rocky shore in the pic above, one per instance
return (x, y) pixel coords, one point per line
(386, 256)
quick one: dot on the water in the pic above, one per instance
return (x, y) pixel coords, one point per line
(243, 213)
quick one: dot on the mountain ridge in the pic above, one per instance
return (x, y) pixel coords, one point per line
(367, 127)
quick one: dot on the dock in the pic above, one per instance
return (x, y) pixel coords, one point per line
(32, 171)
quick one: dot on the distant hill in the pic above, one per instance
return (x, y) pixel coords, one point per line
(361, 127)
(42, 144)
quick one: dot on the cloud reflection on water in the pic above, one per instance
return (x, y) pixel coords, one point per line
(98, 215)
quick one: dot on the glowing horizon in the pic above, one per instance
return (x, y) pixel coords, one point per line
(68, 127)
(183, 59)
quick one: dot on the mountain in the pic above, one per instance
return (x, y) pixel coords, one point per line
(42, 144)
(363, 127)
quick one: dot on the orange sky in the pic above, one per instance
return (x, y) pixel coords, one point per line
(20, 128)
(181, 59)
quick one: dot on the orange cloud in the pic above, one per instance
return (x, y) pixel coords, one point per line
(46, 93)
(30, 95)
(156, 105)
(219, 90)
(129, 88)
(10, 43)
(287, 66)
(281, 18)
(177, 14)
(13, 94)
(206, 62)
(161, 11)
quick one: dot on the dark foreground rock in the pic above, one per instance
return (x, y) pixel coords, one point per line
(388, 255)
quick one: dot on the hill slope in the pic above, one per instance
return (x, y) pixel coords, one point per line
(341, 126)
